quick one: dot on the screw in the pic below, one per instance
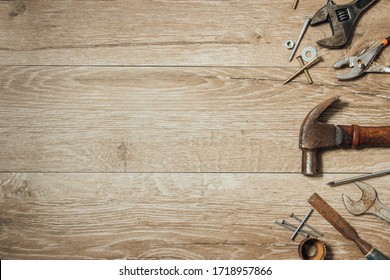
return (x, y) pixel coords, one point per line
(308, 77)
(310, 227)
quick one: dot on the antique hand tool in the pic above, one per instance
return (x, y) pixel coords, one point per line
(361, 177)
(342, 19)
(368, 204)
(344, 227)
(315, 136)
(363, 63)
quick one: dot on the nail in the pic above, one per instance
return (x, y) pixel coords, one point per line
(301, 224)
(306, 225)
(308, 77)
(303, 31)
(358, 178)
(293, 76)
(295, 4)
(291, 228)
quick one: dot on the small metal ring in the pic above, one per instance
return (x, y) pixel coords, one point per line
(289, 44)
(308, 54)
(312, 249)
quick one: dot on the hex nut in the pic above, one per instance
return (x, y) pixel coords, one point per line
(289, 44)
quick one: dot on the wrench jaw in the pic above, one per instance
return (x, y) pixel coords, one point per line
(364, 203)
(320, 16)
(342, 20)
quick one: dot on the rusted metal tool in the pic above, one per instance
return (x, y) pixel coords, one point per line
(342, 19)
(363, 63)
(368, 204)
(316, 136)
(344, 227)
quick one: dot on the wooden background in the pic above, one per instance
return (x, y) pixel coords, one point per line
(161, 129)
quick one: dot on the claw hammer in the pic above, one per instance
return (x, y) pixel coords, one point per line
(316, 136)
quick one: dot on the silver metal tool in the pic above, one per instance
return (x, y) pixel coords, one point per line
(302, 223)
(306, 225)
(363, 63)
(368, 204)
(303, 31)
(359, 178)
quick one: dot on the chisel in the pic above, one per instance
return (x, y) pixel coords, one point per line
(344, 227)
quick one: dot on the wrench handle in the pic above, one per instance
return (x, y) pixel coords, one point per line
(356, 136)
(381, 211)
(363, 4)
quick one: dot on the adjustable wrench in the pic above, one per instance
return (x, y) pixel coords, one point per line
(368, 204)
(342, 19)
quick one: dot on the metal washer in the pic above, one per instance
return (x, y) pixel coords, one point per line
(308, 50)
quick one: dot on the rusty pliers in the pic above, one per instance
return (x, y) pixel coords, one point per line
(363, 63)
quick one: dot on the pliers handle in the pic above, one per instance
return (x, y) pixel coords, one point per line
(363, 63)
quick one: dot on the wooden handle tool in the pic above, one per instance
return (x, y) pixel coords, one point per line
(344, 227)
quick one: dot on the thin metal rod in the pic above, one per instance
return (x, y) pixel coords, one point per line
(306, 225)
(307, 74)
(293, 76)
(301, 230)
(295, 4)
(358, 178)
(291, 228)
(303, 31)
(302, 223)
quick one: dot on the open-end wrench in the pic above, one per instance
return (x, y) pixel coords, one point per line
(368, 204)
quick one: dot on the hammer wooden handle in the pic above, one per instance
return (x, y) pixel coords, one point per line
(356, 136)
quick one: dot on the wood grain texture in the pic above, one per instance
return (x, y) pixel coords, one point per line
(179, 216)
(161, 129)
(173, 119)
(186, 33)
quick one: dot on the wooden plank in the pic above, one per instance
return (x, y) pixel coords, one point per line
(175, 216)
(193, 32)
(88, 119)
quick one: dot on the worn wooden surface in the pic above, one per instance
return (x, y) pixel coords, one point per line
(162, 130)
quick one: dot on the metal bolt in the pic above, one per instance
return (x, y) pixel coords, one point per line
(308, 77)
(306, 225)
(302, 223)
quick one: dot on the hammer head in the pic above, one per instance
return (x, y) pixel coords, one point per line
(315, 136)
